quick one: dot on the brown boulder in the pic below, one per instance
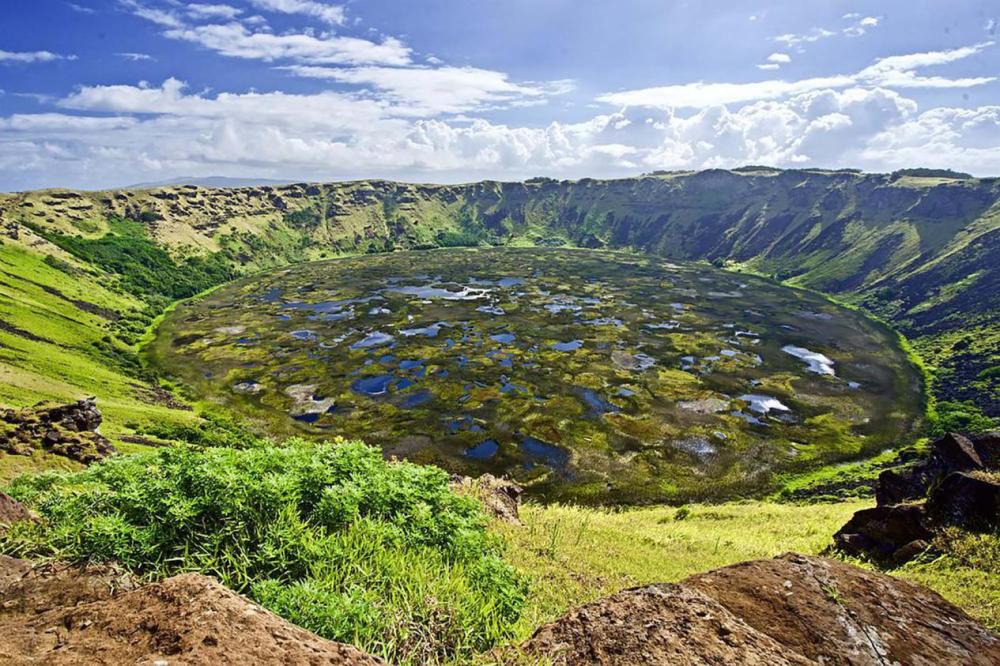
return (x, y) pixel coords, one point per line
(966, 500)
(791, 609)
(909, 551)
(73, 616)
(500, 497)
(987, 447)
(834, 613)
(657, 624)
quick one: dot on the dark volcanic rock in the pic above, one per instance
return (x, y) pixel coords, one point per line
(987, 447)
(956, 479)
(966, 500)
(895, 486)
(882, 530)
(955, 453)
(66, 430)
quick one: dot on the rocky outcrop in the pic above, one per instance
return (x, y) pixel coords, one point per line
(956, 484)
(500, 497)
(791, 609)
(66, 430)
(63, 614)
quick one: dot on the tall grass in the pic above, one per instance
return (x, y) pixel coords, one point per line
(382, 555)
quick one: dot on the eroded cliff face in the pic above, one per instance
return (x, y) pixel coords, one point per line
(921, 252)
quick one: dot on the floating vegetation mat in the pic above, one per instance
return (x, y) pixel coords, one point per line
(590, 376)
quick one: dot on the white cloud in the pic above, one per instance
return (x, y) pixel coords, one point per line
(80, 8)
(780, 58)
(427, 91)
(701, 94)
(899, 71)
(332, 14)
(861, 26)
(327, 111)
(135, 57)
(235, 40)
(56, 123)
(119, 134)
(792, 39)
(891, 72)
(32, 56)
(769, 66)
(206, 11)
(160, 17)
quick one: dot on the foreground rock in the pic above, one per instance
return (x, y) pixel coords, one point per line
(789, 610)
(97, 615)
(834, 613)
(657, 624)
(65, 430)
(956, 484)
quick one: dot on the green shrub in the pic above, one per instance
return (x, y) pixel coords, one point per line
(331, 536)
(144, 267)
(959, 416)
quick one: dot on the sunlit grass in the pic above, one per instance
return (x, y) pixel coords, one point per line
(574, 555)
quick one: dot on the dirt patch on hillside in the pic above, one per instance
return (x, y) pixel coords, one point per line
(791, 609)
(12, 511)
(62, 615)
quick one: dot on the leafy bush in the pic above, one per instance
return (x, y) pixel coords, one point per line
(959, 416)
(382, 555)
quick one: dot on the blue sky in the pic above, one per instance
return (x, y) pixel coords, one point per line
(101, 93)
